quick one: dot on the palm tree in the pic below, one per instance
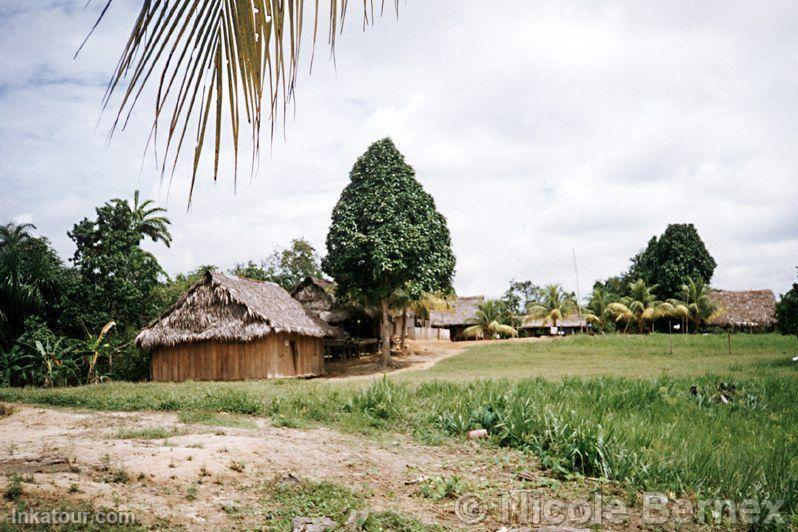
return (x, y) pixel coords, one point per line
(28, 270)
(555, 305)
(597, 310)
(212, 61)
(490, 319)
(639, 307)
(147, 218)
(698, 298)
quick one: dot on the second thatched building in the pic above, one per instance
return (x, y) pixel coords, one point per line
(229, 328)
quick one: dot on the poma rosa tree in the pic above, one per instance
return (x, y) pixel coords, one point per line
(387, 237)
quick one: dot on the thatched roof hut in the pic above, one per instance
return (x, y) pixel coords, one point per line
(317, 296)
(229, 328)
(464, 309)
(745, 308)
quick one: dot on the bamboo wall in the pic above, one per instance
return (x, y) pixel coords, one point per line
(267, 358)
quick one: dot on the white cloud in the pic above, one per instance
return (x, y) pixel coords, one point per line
(538, 129)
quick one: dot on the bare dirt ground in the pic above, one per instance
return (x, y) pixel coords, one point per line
(205, 477)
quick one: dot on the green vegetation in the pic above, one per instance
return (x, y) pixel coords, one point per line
(386, 236)
(286, 267)
(787, 312)
(491, 321)
(154, 433)
(698, 421)
(287, 499)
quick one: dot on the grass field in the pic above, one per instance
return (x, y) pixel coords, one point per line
(699, 421)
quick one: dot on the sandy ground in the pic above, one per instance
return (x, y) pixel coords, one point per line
(193, 478)
(159, 472)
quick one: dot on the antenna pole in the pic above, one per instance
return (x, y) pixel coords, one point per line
(578, 296)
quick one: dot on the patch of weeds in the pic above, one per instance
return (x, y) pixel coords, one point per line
(287, 500)
(110, 473)
(379, 521)
(439, 488)
(73, 488)
(237, 466)
(281, 421)
(216, 419)
(13, 490)
(231, 508)
(429, 436)
(153, 433)
(199, 445)
(191, 493)
(6, 410)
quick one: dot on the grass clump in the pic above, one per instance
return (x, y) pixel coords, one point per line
(380, 521)
(13, 490)
(153, 433)
(439, 488)
(288, 499)
(216, 419)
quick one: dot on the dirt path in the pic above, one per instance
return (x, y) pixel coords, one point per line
(423, 355)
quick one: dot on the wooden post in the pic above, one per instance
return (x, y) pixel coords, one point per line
(670, 335)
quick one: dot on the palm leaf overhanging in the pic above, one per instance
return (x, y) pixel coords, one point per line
(215, 59)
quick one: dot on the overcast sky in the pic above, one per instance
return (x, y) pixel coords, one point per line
(539, 127)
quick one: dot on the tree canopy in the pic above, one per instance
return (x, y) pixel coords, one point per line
(668, 261)
(286, 267)
(386, 234)
(787, 311)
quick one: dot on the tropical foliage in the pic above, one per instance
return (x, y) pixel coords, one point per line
(554, 305)
(490, 321)
(286, 267)
(637, 309)
(697, 297)
(787, 311)
(597, 312)
(30, 278)
(669, 260)
(210, 62)
(386, 236)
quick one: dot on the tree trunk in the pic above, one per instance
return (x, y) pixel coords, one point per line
(404, 330)
(386, 336)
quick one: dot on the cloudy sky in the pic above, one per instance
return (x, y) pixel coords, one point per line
(539, 127)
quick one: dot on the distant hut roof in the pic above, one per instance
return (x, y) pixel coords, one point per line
(317, 296)
(464, 309)
(568, 322)
(745, 308)
(221, 308)
(324, 284)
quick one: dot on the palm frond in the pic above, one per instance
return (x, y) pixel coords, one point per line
(212, 60)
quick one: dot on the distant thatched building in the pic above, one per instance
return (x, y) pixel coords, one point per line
(747, 309)
(457, 319)
(567, 325)
(228, 328)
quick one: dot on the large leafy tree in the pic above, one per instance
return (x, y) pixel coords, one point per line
(31, 276)
(520, 295)
(554, 305)
(668, 261)
(286, 267)
(787, 311)
(117, 275)
(211, 61)
(387, 236)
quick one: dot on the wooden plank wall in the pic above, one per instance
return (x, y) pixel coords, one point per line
(266, 358)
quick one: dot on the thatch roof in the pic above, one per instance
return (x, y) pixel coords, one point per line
(221, 308)
(464, 309)
(570, 322)
(746, 308)
(317, 296)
